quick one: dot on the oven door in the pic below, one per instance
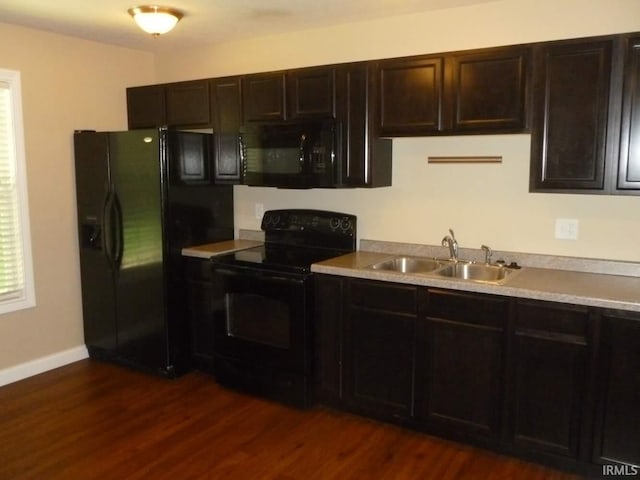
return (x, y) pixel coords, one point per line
(265, 320)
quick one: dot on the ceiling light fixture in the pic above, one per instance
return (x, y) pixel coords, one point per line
(154, 19)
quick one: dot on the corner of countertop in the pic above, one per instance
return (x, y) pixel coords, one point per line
(209, 250)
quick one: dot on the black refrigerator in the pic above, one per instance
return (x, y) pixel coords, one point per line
(142, 196)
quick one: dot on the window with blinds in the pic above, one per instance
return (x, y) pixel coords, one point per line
(16, 272)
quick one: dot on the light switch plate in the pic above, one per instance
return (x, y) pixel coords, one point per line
(259, 210)
(567, 228)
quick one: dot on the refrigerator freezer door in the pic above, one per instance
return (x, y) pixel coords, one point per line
(136, 172)
(98, 288)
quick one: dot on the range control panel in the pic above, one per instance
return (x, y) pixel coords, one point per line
(310, 222)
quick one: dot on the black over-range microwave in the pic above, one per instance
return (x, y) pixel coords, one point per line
(291, 155)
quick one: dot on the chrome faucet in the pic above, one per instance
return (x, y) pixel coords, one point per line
(451, 242)
(487, 254)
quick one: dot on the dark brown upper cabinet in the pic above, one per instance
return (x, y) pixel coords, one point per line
(471, 92)
(488, 90)
(187, 103)
(572, 88)
(366, 158)
(146, 106)
(263, 96)
(410, 96)
(307, 93)
(311, 93)
(180, 104)
(585, 125)
(226, 113)
(629, 166)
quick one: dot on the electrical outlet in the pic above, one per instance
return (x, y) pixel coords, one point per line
(567, 228)
(259, 210)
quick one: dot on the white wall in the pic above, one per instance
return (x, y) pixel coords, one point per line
(483, 203)
(67, 84)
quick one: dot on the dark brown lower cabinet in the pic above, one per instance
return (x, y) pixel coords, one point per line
(204, 297)
(328, 340)
(549, 392)
(379, 341)
(460, 371)
(618, 424)
(550, 382)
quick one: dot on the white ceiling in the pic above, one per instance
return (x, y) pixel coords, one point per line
(205, 21)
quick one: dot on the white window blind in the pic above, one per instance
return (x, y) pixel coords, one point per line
(16, 277)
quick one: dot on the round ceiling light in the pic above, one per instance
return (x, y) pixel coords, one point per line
(154, 19)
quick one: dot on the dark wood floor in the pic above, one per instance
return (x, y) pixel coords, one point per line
(91, 420)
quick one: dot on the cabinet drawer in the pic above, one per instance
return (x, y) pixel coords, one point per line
(467, 307)
(383, 296)
(552, 318)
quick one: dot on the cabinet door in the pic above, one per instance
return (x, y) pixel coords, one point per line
(459, 376)
(549, 377)
(365, 158)
(410, 96)
(489, 90)
(311, 93)
(188, 103)
(146, 107)
(328, 328)
(570, 116)
(618, 433)
(205, 295)
(226, 112)
(202, 304)
(629, 166)
(379, 349)
(264, 97)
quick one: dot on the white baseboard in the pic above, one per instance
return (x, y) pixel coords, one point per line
(42, 364)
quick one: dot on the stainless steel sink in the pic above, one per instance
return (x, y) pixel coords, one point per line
(409, 265)
(436, 267)
(476, 272)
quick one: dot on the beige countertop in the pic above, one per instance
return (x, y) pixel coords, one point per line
(580, 288)
(556, 285)
(219, 248)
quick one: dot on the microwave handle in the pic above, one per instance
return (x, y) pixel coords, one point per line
(242, 150)
(303, 152)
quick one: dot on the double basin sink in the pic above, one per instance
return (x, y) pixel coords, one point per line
(439, 268)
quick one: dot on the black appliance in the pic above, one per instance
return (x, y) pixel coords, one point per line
(141, 197)
(263, 326)
(290, 155)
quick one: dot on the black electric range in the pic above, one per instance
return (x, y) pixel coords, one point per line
(295, 239)
(263, 329)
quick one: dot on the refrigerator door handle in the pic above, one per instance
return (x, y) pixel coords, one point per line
(118, 233)
(107, 227)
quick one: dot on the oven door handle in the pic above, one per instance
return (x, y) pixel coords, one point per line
(263, 275)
